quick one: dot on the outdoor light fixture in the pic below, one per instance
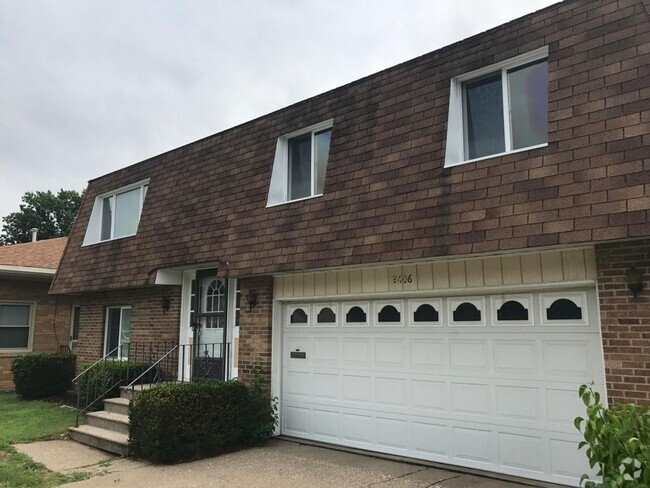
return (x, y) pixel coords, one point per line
(252, 299)
(633, 280)
(166, 304)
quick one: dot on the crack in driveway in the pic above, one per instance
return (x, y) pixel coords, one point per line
(435, 483)
(396, 477)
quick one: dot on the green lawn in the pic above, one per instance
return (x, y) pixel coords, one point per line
(27, 421)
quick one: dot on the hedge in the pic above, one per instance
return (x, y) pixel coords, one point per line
(105, 379)
(42, 375)
(178, 422)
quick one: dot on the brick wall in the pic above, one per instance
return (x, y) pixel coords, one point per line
(625, 321)
(255, 328)
(51, 322)
(148, 321)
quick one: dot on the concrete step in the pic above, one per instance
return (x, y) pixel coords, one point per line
(117, 405)
(115, 422)
(103, 439)
(129, 392)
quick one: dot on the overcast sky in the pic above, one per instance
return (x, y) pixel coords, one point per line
(89, 87)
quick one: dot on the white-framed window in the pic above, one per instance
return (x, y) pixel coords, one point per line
(355, 314)
(389, 314)
(298, 315)
(562, 309)
(499, 109)
(117, 333)
(116, 214)
(16, 326)
(466, 311)
(425, 312)
(300, 164)
(326, 315)
(512, 310)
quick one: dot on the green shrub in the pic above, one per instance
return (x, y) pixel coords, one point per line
(43, 375)
(178, 422)
(105, 379)
(617, 442)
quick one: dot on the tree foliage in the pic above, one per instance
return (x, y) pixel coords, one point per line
(52, 214)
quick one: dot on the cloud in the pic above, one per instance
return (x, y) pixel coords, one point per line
(89, 87)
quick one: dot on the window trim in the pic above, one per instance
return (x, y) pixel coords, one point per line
(32, 322)
(456, 147)
(281, 163)
(119, 356)
(94, 229)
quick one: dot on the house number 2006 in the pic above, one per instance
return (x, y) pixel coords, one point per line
(403, 278)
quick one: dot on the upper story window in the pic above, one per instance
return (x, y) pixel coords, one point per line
(499, 109)
(300, 164)
(116, 214)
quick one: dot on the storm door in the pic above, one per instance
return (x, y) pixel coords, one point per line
(209, 324)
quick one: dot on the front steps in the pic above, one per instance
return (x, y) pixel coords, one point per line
(108, 429)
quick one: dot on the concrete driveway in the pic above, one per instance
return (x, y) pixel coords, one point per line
(279, 463)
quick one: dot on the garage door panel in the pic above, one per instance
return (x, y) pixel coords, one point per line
(431, 440)
(518, 357)
(326, 386)
(390, 353)
(429, 396)
(391, 392)
(427, 354)
(392, 433)
(471, 398)
(326, 424)
(357, 428)
(357, 352)
(521, 452)
(518, 403)
(357, 389)
(494, 397)
(472, 444)
(326, 352)
(468, 355)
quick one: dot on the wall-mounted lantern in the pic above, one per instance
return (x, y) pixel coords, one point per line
(251, 297)
(634, 280)
(166, 304)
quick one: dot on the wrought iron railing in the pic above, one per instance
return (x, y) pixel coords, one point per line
(149, 363)
(203, 362)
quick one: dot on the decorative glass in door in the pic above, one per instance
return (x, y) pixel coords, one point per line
(209, 323)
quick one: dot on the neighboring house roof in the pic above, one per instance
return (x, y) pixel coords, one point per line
(388, 195)
(38, 258)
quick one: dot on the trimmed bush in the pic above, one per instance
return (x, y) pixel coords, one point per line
(42, 375)
(105, 379)
(617, 441)
(186, 421)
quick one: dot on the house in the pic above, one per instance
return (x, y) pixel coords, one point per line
(426, 262)
(31, 320)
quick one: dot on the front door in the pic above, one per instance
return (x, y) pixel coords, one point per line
(209, 327)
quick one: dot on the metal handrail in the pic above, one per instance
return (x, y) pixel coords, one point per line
(154, 365)
(85, 371)
(103, 358)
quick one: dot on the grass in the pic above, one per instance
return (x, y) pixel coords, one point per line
(27, 421)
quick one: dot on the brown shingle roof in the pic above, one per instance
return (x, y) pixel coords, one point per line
(40, 254)
(388, 195)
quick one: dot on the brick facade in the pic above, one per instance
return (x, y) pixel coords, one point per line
(625, 321)
(51, 323)
(148, 321)
(255, 332)
(388, 195)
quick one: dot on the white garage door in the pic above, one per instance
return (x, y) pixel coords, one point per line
(487, 382)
